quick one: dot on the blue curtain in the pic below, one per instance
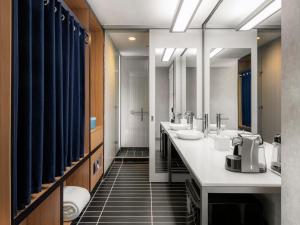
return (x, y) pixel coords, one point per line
(48, 95)
(246, 98)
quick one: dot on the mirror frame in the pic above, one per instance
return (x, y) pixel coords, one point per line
(220, 38)
(162, 38)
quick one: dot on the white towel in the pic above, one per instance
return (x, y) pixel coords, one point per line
(75, 199)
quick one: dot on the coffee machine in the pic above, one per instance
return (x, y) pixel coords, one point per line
(248, 155)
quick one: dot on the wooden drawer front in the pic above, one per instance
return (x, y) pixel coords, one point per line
(96, 137)
(96, 167)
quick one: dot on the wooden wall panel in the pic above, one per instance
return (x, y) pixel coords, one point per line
(81, 177)
(48, 213)
(83, 16)
(5, 110)
(97, 75)
(95, 177)
(77, 4)
(94, 24)
(96, 137)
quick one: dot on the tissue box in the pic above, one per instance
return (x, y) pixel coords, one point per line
(93, 123)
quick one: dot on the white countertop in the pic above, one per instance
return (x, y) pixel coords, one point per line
(208, 164)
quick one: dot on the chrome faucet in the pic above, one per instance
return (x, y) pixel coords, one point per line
(219, 122)
(190, 118)
(204, 119)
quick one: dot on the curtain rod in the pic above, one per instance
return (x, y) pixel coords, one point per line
(66, 7)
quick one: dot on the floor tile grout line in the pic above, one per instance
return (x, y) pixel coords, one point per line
(93, 196)
(151, 203)
(109, 193)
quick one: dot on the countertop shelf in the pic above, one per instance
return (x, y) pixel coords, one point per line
(208, 165)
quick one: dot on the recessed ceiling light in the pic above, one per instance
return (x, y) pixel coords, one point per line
(215, 52)
(168, 54)
(132, 38)
(258, 38)
(262, 15)
(184, 15)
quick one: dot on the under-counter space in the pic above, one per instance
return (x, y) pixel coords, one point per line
(207, 167)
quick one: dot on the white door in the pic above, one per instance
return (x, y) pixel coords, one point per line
(134, 102)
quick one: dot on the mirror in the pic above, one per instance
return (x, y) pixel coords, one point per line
(175, 90)
(230, 87)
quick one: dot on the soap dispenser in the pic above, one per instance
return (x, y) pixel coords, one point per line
(276, 154)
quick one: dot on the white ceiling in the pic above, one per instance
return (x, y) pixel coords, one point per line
(144, 14)
(160, 13)
(139, 47)
(231, 13)
(229, 56)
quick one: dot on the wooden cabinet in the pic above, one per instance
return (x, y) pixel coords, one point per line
(96, 167)
(80, 177)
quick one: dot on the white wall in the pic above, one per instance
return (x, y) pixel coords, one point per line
(162, 100)
(220, 38)
(164, 39)
(191, 89)
(111, 66)
(224, 94)
(269, 60)
(290, 111)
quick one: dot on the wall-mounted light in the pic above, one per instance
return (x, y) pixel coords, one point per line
(262, 15)
(184, 15)
(215, 52)
(167, 55)
(131, 38)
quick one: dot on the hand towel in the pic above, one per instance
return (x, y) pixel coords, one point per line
(74, 201)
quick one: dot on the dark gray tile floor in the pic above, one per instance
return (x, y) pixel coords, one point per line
(133, 153)
(127, 197)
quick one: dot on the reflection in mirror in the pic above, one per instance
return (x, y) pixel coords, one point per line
(175, 93)
(230, 88)
(191, 80)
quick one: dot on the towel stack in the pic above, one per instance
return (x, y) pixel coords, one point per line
(75, 199)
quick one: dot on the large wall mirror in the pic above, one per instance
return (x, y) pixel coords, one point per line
(175, 91)
(230, 87)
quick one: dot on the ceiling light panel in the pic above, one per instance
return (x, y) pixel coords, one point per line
(168, 53)
(215, 52)
(184, 15)
(262, 15)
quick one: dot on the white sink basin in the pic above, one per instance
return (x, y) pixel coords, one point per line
(189, 134)
(221, 142)
(179, 126)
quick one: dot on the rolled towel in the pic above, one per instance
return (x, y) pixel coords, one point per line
(75, 199)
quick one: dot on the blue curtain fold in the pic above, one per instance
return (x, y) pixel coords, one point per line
(49, 159)
(60, 165)
(24, 128)
(71, 93)
(66, 70)
(38, 93)
(246, 98)
(76, 94)
(82, 90)
(47, 95)
(15, 102)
